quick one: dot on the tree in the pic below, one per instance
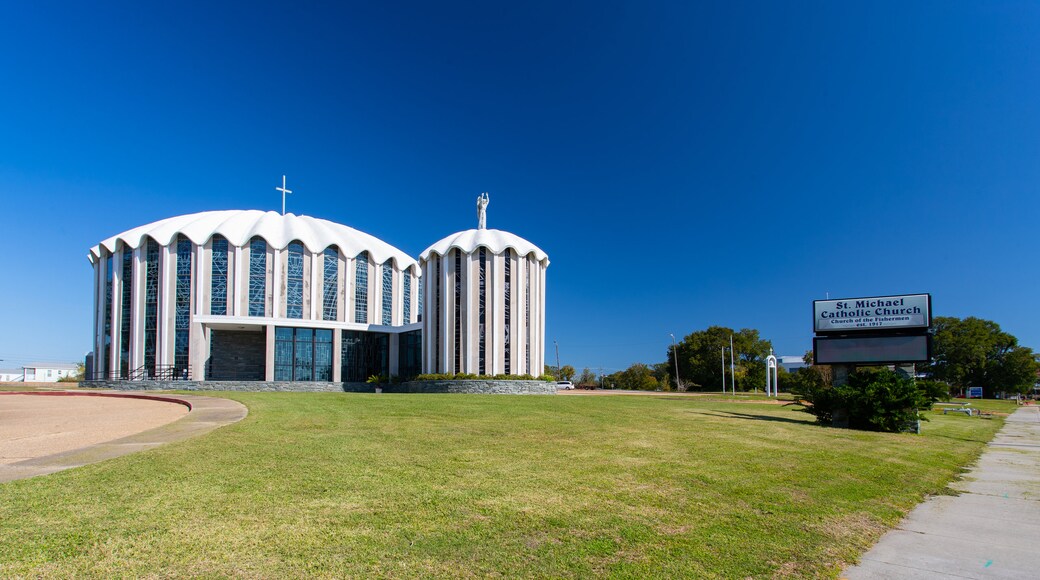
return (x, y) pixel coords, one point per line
(587, 378)
(567, 373)
(976, 353)
(701, 363)
(637, 377)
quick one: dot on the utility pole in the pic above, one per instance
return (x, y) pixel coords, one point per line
(732, 374)
(723, 370)
(675, 355)
(559, 371)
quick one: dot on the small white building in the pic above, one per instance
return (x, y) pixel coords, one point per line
(792, 363)
(11, 375)
(48, 372)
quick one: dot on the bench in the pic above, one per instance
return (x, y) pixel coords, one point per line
(958, 408)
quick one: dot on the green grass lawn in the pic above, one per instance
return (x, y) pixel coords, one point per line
(467, 485)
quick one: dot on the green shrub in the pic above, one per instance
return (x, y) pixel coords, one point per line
(872, 399)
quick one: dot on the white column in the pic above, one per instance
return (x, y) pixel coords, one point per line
(541, 312)
(137, 316)
(276, 283)
(317, 280)
(447, 333)
(239, 274)
(470, 295)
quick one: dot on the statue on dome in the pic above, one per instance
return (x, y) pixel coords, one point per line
(482, 202)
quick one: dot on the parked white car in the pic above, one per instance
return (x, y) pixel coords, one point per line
(565, 385)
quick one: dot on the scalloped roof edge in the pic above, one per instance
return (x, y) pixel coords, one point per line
(495, 240)
(240, 226)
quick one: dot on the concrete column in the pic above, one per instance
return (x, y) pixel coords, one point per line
(470, 311)
(137, 316)
(278, 284)
(499, 313)
(447, 320)
(341, 286)
(269, 356)
(198, 346)
(167, 300)
(314, 279)
(241, 301)
(337, 355)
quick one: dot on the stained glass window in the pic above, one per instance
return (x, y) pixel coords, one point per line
(257, 277)
(388, 292)
(330, 288)
(218, 277)
(182, 310)
(361, 288)
(407, 295)
(151, 304)
(507, 294)
(482, 314)
(124, 326)
(294, 282)
(108, 317)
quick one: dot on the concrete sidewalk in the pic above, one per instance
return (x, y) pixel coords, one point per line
(991, 530)
(207, 414)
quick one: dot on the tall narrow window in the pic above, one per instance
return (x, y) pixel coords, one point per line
(108, 317)
(218, 277)
(507, 292)
(151, 305)
(419, 301)
(294, 282)
(182, 312)
(330, 286)
(458, 311)
(361, 288)
(527, 317)
(482, 315)
(388, 293)
(407, 295)
(257, 277)
(126, 285)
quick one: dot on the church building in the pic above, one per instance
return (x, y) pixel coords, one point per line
(246, 295)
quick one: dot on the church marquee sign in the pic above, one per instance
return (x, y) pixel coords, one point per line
(888, 313)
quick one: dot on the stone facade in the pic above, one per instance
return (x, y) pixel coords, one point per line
(490, 387)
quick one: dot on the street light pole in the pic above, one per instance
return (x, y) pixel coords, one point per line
(723, 370)
(675, 355)
(732, 373)
(559, 371)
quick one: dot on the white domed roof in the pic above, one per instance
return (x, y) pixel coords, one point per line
(495, 240)
(239, 226)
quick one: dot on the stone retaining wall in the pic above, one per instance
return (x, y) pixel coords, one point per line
(496, 387)
(489, 386)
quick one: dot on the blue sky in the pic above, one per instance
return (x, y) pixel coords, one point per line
(683, 164)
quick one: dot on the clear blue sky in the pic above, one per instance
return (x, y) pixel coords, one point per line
(684, 164)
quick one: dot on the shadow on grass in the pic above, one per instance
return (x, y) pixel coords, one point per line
(732, 415)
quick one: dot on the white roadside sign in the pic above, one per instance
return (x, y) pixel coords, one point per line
(876, 313)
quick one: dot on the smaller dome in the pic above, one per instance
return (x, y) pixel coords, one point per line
(495, 240)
